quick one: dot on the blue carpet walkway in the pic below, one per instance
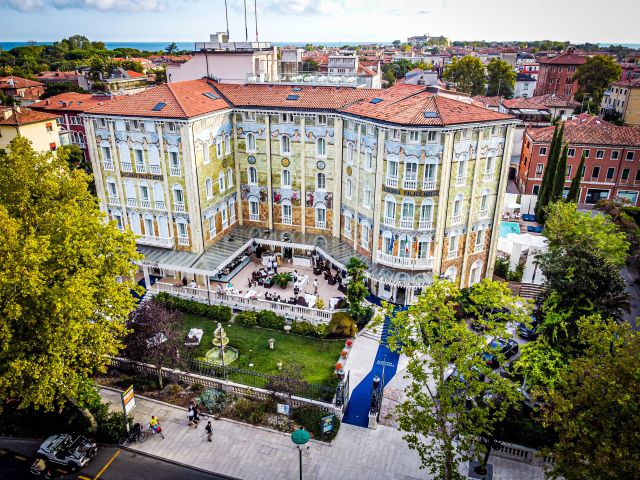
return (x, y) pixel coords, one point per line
(358, 408)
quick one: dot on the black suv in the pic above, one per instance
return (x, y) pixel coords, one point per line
(507, 347)
(529, 332)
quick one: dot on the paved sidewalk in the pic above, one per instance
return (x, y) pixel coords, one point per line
(251, 453)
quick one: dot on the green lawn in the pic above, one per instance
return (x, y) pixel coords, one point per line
(317, 356)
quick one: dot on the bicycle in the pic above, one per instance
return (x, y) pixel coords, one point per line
(135, 435)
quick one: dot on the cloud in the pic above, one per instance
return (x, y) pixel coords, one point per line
(131, 6)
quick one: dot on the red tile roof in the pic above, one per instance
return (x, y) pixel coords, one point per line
(58, 76)
(631, 83)
(566, 58)
(542, 102)
(18, 82)
(23, 116)
(181, 99)
(71, 102)
(133, 74)
(590, 131)
(489, 101)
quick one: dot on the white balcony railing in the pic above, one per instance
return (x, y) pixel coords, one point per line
(179, 207)
(254, 217)
(456, 219)
(483, 213)
(410, 184)
(155, 169)
(126, 167)
(460, 181)
(145, 203)
(478, 248)
(488, 176)
(391, 182)
(141, 168)
(183, 240)
(132, 202)
(113, 200)
(389, 221)
(176, 171)
(404, 262)
(452, 254)
(159, 204)
(426, 224)
(406, 223)
(287, 220)
(321, 224)
(156, 241)
(108, 165)
(429, 185)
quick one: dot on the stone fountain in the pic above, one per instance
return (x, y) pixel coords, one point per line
(221, 352)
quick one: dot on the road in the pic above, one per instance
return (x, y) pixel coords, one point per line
(110, 463)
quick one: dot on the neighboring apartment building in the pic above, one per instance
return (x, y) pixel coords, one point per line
(68, 107)
(119, 81)
(22, 89)
(556, 74)
(525, 85)
(38, 127)
(58, 77)
(410, 181)
(624, 99)
(612, 167)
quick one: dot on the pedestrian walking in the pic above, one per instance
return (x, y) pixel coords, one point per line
(315, 286)
(190, 412)
(196, 415)
(209, 430)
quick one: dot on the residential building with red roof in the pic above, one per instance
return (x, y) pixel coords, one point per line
(57, 77)
(410, 179)
(22, 89)
(39, 128)
(622, 101)
(557, 74)
(612, 166)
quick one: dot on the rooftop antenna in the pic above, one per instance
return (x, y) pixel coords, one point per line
(255, 12)
(246, 30)
(226, 15)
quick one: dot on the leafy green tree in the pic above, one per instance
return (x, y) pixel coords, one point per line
(560, 175)
(132, 65)
(389, 77)
(595, 76)
(540, 365)
(65, 282)
(160, 75)
(310, 66)
(396, 43)
(356, 289)
(490, 302)
(594, 406)
(501, 78)
(7, 100)
(56, 88)
(574, 190)
(447, 415)
(171, 48)
(467, 74)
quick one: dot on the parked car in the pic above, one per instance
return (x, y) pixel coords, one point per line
(507, 347)
(67, 450)
(529, 332)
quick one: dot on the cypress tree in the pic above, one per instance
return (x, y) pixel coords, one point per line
(574, 190)
(544, 185)
(548, 180)
(561, 173)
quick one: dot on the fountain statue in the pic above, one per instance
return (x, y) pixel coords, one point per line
(221, 353)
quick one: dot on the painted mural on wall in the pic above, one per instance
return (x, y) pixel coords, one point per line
(257, 191)
(313, 198)
(280, 194)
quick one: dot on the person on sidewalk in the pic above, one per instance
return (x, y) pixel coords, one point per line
(209, 430)
(196, 415)
(315, 286)
(154, 424)
(190, 412)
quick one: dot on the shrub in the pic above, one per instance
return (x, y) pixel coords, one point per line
(216, 313)
(214, 400)
(321, 330)
(247, 318)
(342, 325)
(303, 328)
(174, 389)
(196, 388)
(320, 304)
(268, 319)
(311, 419)
(251, 410)
(282, 279)
(111, 427)
(140, 382)
(501, 268)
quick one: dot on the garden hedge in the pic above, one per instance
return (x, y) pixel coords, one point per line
(216, 313)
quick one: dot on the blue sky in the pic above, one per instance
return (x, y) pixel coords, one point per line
(322, 20)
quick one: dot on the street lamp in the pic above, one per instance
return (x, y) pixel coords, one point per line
(300, 437)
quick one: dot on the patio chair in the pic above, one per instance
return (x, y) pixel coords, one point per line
(527, 217)
(534, 229)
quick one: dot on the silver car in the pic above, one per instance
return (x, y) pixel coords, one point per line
(66, 450)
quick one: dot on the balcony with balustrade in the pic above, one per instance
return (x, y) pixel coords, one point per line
(254, 217)
(108, 165)
(183, 240)
(429, 184)
(160, 205)
(141, 168)
(406, 263)
(406, 223)
(155, 170)
(126, 167)
(321, 224)
(389, 221)
(391, 182)
(425, 225)
(483, 213)
(456, 219)
(461, 181)
(113, 200)
(175, 171)
(132, 202)
(488, 176)
(154, 241)
(179, 207)
(410, 183)
(145, 203)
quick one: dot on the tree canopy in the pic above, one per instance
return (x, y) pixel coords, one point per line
(501, 78)
(596, 75)
(65, 282)
(467, 74)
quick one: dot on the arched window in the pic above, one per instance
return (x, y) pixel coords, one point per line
(183, 231)
(158, 195)
(349, 189)
(426, 213)
(112, 190)
(253, 176)
(404, 247)
(221, 182)
(287, 214)
(208, 187)
(321, 147)
(451, 273)
(205, 153)
(366, 196)
(424, 247)
(107, 158)
(125, 157)
(387, 242)
(484, 204)
(229, 178)
(148, 225)
(219, 147)
(321, 181)
(347, 223)
(462, 170)
(475, 274)
(453, 244)
(225, 216)
(138, 155)
(285, 145)
(392, 172)
(154, 160)
(408, 209)
(390, 210)
(350, 149)
(134, 222)
(368, 160)
(212, 225)
(232, 211)
(489, 166)
(321, 215)
(430, 173)
(365, 231)
(286, 178)
(227, 144)
(411, 173)
(254, 209)
(457, 209)
(145, 198)
(251, 142)
(163, 227)
(178, 198)
(130, 193)
(174, 162)
(117, 217)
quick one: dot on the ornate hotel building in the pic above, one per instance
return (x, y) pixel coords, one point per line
(409, 179)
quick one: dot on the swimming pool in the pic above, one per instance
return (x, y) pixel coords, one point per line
(509, 227)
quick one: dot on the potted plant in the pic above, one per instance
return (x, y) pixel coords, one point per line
(349, 343)
(282, 279)
(320, 304)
